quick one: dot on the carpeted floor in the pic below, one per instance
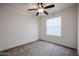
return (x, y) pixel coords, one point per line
(41, 48)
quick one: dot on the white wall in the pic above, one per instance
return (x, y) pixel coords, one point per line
(16, 27)
(68, 28)
(78, 29)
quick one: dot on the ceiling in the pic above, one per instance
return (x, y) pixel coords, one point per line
(58, 7)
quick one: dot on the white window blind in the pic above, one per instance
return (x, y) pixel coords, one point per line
(54, 26)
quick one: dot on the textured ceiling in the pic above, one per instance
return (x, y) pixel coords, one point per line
(25, 6)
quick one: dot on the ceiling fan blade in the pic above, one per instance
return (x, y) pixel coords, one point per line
(49, 6)
(37, 13)
(32, 9)
(40, 5)
(46, 12)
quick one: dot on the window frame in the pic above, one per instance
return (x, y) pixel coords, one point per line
(53, 26)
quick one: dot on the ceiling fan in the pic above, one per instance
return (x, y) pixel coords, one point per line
(41, 8)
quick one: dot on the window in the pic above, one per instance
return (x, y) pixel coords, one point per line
(54, 26)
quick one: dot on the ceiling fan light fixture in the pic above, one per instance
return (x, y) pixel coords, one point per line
(41, 10)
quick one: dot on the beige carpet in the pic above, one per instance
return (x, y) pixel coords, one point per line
(41, 48)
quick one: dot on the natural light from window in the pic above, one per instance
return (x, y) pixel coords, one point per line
(54, 26)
